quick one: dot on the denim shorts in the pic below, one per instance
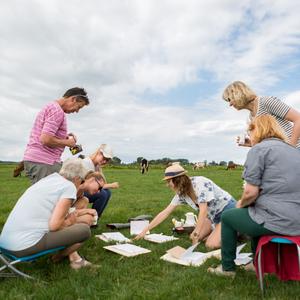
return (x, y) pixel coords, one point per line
(231, 204)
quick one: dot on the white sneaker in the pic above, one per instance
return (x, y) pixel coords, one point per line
(219, 271)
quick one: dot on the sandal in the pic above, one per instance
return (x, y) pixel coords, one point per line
(76, 265)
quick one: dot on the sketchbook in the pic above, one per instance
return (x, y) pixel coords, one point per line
(159, 238)
(127, 249)
(113, 237)
(136, 227)
(187, 257)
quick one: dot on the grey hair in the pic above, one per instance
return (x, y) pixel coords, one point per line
(73, 167)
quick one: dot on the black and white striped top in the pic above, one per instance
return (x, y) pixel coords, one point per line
(278, 109)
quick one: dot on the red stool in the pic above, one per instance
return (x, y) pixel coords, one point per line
(278, 254)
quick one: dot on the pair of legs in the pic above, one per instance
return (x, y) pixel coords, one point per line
(234, 221)
(71, 237)
(36, 171)
(99, 200)
(213, 236)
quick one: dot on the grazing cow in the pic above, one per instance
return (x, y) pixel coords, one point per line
(199, 165)
(231, 166)
(18, 169)
(144, 165)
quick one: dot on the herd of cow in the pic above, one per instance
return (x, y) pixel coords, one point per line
(201, 165)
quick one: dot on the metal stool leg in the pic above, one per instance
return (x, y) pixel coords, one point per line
(9, 265)
(260, 275)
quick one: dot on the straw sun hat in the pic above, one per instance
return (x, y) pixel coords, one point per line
(174, 171)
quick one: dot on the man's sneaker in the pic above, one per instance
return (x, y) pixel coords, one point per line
(219, 271)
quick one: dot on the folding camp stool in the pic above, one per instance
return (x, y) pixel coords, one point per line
(8, 261)
(278, 240)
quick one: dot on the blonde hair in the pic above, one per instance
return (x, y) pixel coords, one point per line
(184, 186)
(97, 175)
(240, 93)
(264, 127)
(99, 150)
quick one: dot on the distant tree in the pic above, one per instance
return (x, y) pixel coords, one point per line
(223, 163)
(116, 160)
(212, 163)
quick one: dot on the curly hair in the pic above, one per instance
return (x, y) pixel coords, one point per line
(184, 186)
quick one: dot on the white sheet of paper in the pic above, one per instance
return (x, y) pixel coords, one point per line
(189, 251)
(113, 237)
(242, 258)
(159, 238)
(127, 250)
(136, 227)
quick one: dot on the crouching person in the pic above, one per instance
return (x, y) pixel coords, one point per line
(40, 219)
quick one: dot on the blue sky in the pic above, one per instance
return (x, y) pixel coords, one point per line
(155, 71)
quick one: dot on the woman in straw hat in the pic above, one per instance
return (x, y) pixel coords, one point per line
(240, 96)
(202, 195)
(101, 157)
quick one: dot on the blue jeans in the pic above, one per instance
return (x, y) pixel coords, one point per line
(99, 200)
(230, 204)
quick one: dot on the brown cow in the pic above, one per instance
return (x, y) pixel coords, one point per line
(231, 166)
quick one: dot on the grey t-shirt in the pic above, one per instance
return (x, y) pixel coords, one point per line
(274, 167)
(28, 221)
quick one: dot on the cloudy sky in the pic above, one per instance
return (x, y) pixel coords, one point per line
(154, 70)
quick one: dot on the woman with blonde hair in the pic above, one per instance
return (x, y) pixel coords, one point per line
(101, 157)
(201, 194)
(240, 96)
(270, 203)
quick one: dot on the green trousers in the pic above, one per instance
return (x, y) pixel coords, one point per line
(233, 221)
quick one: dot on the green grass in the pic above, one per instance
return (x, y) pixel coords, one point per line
(141, 277)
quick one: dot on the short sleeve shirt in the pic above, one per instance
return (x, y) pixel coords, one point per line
(28, 221)
(50, 120)
(274, 167)
(278, 109)
(206, 192)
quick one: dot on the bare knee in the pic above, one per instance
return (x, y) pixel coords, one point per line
(213, 243)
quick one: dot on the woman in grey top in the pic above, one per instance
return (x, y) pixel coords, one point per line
(270, 203)
(240, 96)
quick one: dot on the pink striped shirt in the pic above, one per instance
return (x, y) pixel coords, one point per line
(52, 121)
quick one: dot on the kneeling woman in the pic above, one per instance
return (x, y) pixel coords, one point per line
(40, 219)
(202, 195)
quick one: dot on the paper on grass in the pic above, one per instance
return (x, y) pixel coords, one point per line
(113, 237)
(127, 249)
(159, 238)
(187, 257)
(242, 258)
(136, 227)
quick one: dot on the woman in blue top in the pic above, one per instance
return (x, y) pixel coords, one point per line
(202, 195)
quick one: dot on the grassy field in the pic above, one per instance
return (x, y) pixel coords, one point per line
(141, 277)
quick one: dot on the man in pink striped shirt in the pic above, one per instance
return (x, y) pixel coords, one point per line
(49, 136)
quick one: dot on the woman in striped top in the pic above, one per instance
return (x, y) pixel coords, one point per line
(240, 96)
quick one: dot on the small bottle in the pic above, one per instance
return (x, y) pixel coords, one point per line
(76, 149)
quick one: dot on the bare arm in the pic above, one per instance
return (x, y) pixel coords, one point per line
(58, 218)
(157, 220)
(200, 221)
(294, 116)
(52, 141)
(113, 185)
(250, 194)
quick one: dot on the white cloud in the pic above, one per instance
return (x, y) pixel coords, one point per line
(120, 50)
